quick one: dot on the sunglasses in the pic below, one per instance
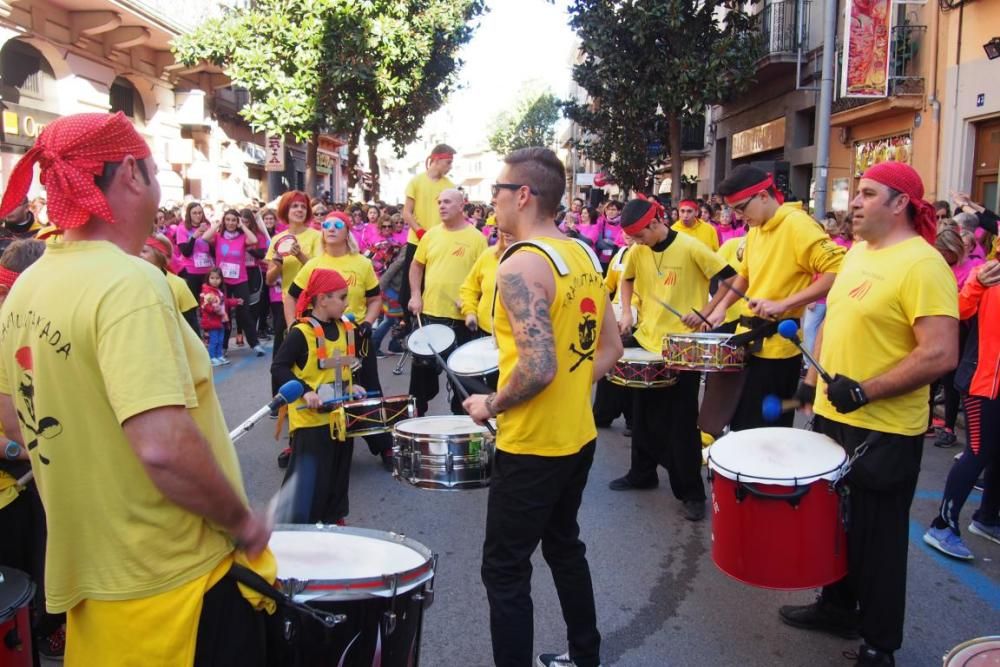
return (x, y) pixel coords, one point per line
(739, 208)
(497, 187)
(333, 224)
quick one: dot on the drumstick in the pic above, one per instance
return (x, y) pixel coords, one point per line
(670, 308)
(701, 317)
(790, 329)
(456, 383)
(735, 291)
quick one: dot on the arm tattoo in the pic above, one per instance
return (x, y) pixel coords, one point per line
(531, 322)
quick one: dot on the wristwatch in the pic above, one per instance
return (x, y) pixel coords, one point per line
(12, 450)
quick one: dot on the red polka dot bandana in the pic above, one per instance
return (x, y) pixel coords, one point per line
(72, 151)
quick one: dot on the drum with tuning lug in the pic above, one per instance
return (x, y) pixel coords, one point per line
(448, 452)
(641, 369)
(708, 352)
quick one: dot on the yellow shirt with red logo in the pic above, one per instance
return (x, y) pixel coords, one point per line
(780, 258)
(424, 191)
(870, 311)
(477, 291)
(700, 230)
(356, 269)
(678, 276)
(552, 422)
(447, 256)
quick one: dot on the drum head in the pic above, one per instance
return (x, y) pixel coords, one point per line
(478, 357)
(437, 336)
(16, 591)
(446, 425)
(780, 456)
(284, 245)
(981, 652)
(335, 561)
(640, 354)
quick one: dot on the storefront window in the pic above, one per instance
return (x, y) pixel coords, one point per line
(897, 148)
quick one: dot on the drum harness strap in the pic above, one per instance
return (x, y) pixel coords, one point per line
(254, 581)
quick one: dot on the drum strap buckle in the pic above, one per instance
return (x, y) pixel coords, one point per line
(389, 617)
(254, 581)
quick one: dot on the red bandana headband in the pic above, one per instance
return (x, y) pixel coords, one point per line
(321, 281)
(8, 277)
(442, 156)
(904, 179)
(655, 211)
(690, 203)
(158, 245)
(72, 151)
(752, 190)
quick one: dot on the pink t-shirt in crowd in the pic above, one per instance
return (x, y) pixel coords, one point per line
(606, 231)
(725, 232)
(230, 256)
(964, 268)
(200, 262)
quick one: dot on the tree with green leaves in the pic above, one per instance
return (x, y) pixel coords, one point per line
(351, 66)
(531, 123)
(646, 57)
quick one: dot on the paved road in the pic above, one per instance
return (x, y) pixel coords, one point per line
(660, 599)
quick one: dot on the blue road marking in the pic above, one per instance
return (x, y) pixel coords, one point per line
(222, 373)
(974, 498)
(963, 572)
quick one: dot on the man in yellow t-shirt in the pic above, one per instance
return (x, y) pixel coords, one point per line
(111, 393)
(784, 249)
(420, 208)
(444, 257)
(666, 268)
(556, 334)
(690, 224)
(891, 329)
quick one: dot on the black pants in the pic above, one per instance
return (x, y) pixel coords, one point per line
(194, 282)
(881, 485)
(611, 400)
(278, 321)
(368, 378)
(243, 320)
(424, 373)
(323, 469)
(779, 377)
(404, 289)
(532, 499)
(665, 432)
(230, 632)
(982, 417)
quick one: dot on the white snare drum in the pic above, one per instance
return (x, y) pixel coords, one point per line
(372, 586)
(709, 352)
(449, 452)
(370, 416)
(431, 338)
(981, 652)
(641, 369)
(477, 358)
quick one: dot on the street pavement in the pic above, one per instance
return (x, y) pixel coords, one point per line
(660, 599)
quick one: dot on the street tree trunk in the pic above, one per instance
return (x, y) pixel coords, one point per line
(372, 140)
(676, 161)
(353, 139)
(311, 149)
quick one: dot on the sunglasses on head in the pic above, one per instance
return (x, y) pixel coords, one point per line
(333, 224)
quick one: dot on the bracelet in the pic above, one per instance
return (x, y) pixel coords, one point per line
(12, 450)
(489, 404)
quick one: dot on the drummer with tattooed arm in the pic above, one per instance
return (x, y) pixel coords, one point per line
(556, 334)
(891, 329)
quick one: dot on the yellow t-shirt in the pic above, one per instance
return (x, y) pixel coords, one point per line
(779, 259)
(357, 270)
(183, 298)
(447, 256)
(552, 423)
(424, 192)
(678, 276)
(477, 291)
(868, 329)
(700, 230)
(314, 376)
(311, 243)
(79, 356)
(730, 254)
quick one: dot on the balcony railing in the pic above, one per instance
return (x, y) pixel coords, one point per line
(693, 134)
(904, 76)
(778, 25)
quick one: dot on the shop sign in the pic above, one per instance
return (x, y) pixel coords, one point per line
(766, 137)
(22, 125)
(867, 153)
(275, 153)
(866, 48)
(324, 163)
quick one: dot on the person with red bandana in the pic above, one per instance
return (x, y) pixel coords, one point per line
(111, 393)
(784, 249)
(891, 330)
(692, 225)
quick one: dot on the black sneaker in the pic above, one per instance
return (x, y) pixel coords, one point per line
(694, 510)
(945, 438)
(554, 660)
(870, 657)
(823, 617)
(625, 484)
(283, 457)
(627, 432)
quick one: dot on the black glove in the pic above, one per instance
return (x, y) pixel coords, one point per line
(364, 329)
(805, 394)
(846, 394)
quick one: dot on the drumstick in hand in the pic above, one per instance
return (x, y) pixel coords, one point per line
(790, 329)
(456, 383)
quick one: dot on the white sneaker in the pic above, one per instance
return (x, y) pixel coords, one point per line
(215, 361)
(224, 362)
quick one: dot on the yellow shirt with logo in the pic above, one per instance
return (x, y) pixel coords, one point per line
(780, 258)
(424, 191)
(477, 291)
(310, 242)
(552, 422)
(678, 276)
(700, 230)
(870, 311)
(730, 252)
(79, 357)
(447, 256)
(183, 298)
(356, 269)
(314, 376)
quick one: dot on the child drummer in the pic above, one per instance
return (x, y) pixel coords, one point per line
(665, 268)
(319, 352)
